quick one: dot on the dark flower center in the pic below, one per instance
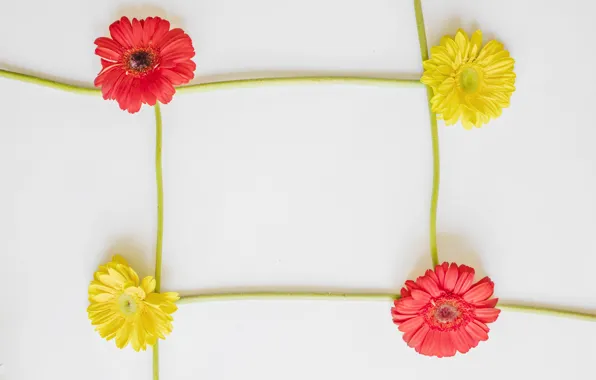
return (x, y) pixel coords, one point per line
(446, 313)
(140, 60)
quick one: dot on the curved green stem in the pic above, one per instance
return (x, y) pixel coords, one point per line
(222, 85)
(159, 239)
(434, 200)
(49, 83)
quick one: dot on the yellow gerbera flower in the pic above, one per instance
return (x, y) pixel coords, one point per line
(471, 83)
(122, 308)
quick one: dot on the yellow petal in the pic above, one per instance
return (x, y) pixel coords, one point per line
(148, 284)
(447, 86)
(111, 327)
(103, 297)
(492, 47)
(171, 296)
(119, 260)
(108, 280)
(123, 335)
(98, 287)
(475, 45)
(440, 55)
(103, 318)
(461, 39)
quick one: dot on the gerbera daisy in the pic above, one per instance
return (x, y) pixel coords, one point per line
(444, 311)
(143, 61)
(471, 83)
(122, 308)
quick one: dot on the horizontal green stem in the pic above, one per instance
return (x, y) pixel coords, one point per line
(259, 82)
(362, 296)
(548, 311)
(286, 295)
(240, 83)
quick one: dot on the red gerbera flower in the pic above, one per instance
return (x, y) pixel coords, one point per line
(143, 61)
(444, 312)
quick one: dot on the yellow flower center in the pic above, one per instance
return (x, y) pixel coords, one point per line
(127, 304)
(469, 79)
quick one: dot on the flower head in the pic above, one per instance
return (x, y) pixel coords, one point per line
(143, 61)
(444, 311)
(471, 83)
(122, 308)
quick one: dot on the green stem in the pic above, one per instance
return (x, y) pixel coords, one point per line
(286, 295)
(548, 311)
(159, 240)
(222, 85)
(259, 82)
(49, 83)
(434, 200)
(361, 297)
(156, 361)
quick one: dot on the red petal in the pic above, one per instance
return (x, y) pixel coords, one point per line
(405, 292)
(108, 43)
(149, 29)
(483, 280)
(185, 69)
(123, 92)
(476, 332)
(447, 348)
(482, 325)
(479, 292)
(464, 282)
(488, 303)
(412, 285)
(459, 341)
(181, 46)
(466, 269)
(137, 32)
(416, 340)
(441, 270)
(105, 64)
(400, 318)
(411, 325)
(147, 96)
(451, 277)
(134, 103)
(429, 286)
(126, 26)
(161, 28)
(487, 315)
(421, 295)
(118, 34)
(107, 54)
(409, 306)
(173, 76)
(432, 275)
(170, 37)
(106, 74)
(429, 346)
(468, 338)
(167, 90)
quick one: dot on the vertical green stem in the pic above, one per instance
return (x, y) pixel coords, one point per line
(159, 241)
(435, 138)
(159, 180)
(156, 361)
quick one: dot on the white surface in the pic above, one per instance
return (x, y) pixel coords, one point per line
(309, 187)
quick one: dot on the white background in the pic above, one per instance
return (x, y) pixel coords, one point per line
(309, 187)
